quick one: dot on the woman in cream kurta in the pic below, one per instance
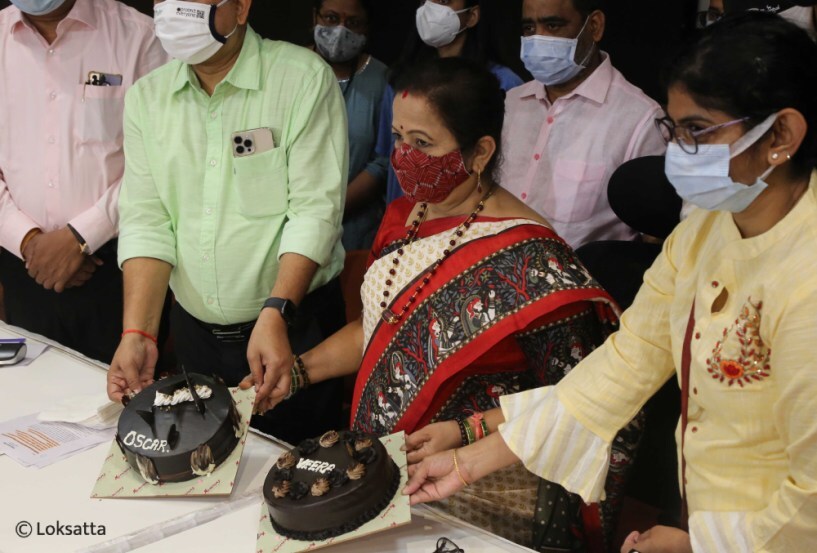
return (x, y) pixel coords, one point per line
(750, 445)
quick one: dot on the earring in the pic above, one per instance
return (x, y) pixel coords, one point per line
(479, 182)
(775, 156)
(788, 157)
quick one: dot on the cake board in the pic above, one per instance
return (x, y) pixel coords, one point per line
(397, 513)
(118, 480)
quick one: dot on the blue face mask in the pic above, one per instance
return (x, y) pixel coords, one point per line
(552, 60)
(703, 179)
(38, 7)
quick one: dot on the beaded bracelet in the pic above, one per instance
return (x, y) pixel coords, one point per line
(463, 432)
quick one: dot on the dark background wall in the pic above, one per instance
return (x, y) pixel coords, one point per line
(640, 33)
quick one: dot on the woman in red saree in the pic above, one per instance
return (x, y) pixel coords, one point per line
(469, 295)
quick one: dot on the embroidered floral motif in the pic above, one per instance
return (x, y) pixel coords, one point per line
(752, 361)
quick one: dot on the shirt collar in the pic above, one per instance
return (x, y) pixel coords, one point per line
(246, 73)
(595, 87)
(82, 12)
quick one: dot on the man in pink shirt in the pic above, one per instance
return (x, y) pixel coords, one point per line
(64, 68)
(568, 130)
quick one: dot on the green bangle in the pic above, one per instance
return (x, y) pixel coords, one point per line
(469, 432)
(484, 426)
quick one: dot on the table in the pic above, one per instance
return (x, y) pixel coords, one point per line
(61, 492)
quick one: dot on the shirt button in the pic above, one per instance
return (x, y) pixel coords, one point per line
(213, 163)
(210, 301)
(697, 335)
(205, 257)
(694, 429)
(51, 52)
(50, 184)
(53, 95)
(524, 195)
(695, 391)
(51, 140)
(213, 115)
(537, 157)
(550, 120)
(715, 284)
(209, 211)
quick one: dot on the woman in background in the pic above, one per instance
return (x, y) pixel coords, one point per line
(446, 29)
(340, 34)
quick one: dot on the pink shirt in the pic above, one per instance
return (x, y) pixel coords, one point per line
(559, 157)
(61, 158)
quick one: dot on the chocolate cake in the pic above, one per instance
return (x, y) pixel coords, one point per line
(169, 434)
(329, 486)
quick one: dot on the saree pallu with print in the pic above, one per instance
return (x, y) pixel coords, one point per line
(504, 277)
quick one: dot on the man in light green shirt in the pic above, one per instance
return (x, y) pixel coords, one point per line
(228, 231)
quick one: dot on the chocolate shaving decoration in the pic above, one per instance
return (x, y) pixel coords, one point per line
(320, 487)
(307, 447)
(281, 489)
(172, 437)
(337, 478)
(201, 460)
(363, 444)
(329, 439)
(285, 461)
(350, 450)
(235, 418)
(298, 490)
(125, 400)
(356, 471)
(147, 469)
(367, 456)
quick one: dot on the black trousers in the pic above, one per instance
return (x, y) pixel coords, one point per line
(222, 352)
(87, 319)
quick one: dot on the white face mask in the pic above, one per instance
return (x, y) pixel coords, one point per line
(552, 60)
(438, 25)
(337, 44)
(187, 30)
(703, 179)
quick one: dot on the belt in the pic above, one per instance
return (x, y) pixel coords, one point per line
(228, 333)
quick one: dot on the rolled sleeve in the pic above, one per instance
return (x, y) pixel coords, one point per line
(318, 158)
(145, 227)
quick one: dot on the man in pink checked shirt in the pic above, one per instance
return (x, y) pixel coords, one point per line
(568, 130)
(65, 66)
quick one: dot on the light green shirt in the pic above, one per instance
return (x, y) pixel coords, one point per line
(222, 221)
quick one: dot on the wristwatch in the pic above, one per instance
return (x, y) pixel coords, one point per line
(83, 245)
(286, 307)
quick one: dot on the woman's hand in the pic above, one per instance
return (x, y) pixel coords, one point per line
(431, 439)
(658, 539)
(435, 478)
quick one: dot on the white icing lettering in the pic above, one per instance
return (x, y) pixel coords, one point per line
(143, 442)
(315, 466)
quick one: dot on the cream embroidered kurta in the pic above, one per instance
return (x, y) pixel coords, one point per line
(751, 439)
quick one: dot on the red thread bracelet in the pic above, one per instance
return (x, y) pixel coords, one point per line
(150, 337)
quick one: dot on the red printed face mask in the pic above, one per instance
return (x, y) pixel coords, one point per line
(426, 178)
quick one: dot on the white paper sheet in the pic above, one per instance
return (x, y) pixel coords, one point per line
(38, 444)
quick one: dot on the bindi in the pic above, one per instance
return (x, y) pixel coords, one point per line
(405, 94)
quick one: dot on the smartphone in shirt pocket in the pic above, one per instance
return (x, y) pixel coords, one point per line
(260, 172)
(251, 142)
(576, 190)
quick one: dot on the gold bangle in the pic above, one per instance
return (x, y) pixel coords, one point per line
(457, 468)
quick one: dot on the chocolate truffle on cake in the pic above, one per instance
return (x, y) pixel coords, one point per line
(330, 485)
(169, 434)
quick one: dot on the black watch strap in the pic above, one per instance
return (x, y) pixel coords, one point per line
(83, 245)
(287, 308)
